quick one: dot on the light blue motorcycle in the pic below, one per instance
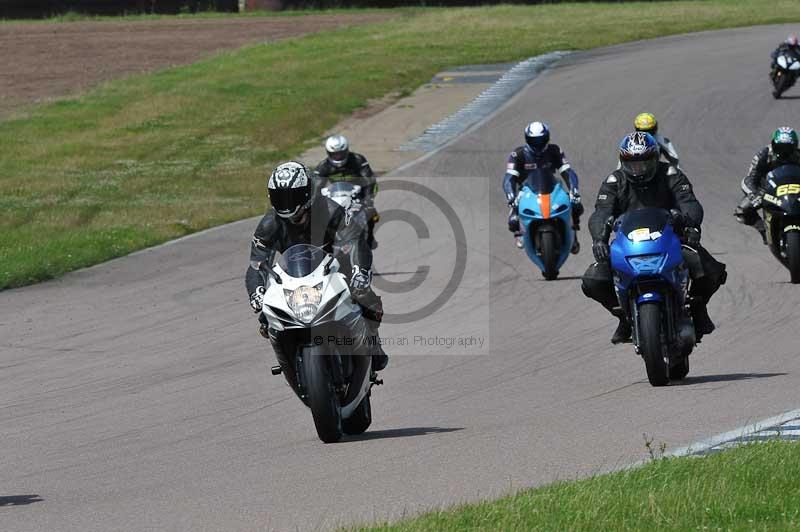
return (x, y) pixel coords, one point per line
(544, 211)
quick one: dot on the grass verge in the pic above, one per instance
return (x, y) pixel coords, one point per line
(753, 487)
(154, 157)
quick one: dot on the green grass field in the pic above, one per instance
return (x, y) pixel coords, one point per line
(754, 487)
(150, 158)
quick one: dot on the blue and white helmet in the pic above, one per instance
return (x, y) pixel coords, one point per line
(291, 190)
(537, 136)
(638, 157)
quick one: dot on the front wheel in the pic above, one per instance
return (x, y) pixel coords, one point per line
(781, 83)
(549, 252)
(793, 255)
(651, 345)
(322, 397)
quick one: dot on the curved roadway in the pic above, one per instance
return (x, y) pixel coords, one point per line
(136, 395)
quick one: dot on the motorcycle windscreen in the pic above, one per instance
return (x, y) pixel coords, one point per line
(541, 181)
(301, 260)
(643, 221)
(340, 188)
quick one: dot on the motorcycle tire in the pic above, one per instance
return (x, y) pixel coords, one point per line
(793, 255)
(781, 83)
(650, 344)
(322, 398)
(549, 252)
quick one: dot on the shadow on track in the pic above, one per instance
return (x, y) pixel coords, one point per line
(565, 278)
(19, 500)
(725, 377)
(401, 433)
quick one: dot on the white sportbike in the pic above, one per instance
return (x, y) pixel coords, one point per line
(323, 339)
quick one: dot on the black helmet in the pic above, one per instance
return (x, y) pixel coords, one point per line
(784, 142)
(291, 190)
(638, 156)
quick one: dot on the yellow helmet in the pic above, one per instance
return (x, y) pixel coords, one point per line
(646, 122)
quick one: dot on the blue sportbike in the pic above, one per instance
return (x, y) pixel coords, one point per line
(545, 216)
(652, 281)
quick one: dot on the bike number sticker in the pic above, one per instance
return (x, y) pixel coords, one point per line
(793, 188)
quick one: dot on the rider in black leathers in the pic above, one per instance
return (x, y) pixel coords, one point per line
(301, 216)
(341, 164)
(782, 150)
(656, 185)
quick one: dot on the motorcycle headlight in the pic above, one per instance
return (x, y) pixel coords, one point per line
(647, 264)
(304, 301)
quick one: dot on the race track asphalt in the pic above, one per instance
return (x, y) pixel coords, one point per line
(136, 395)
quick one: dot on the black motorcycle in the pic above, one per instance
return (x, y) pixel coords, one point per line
(781, 208)
(784, 72)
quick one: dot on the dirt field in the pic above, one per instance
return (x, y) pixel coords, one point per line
(46, 61)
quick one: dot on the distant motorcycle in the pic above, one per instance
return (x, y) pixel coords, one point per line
(781, 208)
(784, 73)
(348, 195)
(308, 304)
(652, 283)
(544, 209)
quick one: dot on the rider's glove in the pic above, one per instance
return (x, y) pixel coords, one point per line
(257, 299)
(575, 200)
(361, 280)
(755, 199)
(677, 217)
(600, 250)
(692, 235)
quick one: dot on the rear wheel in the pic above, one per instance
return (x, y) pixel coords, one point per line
(651, 345)
(321, 396)
(547, 243)
(680, 370)
(793, 255)
(361, 418)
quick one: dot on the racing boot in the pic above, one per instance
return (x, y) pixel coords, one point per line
(702, 321)
(623, 333)
(762, 230)
(576, 246)
(379, 357)
(518, 240)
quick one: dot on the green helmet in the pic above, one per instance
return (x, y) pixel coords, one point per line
(784, 142)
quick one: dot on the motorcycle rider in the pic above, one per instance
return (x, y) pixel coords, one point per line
(343, 165)
(647, 123)
(644, 181)
(780, 151)
(538, 152)
(299, 215)
(790, 45)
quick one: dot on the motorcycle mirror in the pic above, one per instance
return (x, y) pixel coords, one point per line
(266, 268)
